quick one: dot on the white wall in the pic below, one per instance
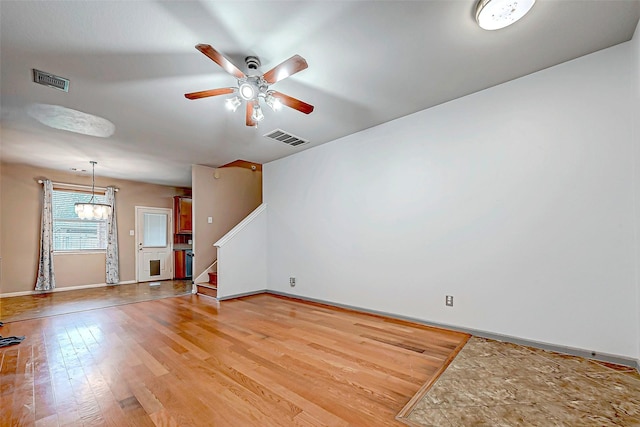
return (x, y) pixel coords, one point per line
(517, 200)
(242, 256)
(635, 71)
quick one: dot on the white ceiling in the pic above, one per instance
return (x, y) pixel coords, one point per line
(131, 62)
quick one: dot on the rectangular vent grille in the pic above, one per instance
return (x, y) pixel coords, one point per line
(287, 138)
(50, 80)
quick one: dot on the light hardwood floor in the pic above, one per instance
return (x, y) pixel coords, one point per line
(256, 361)
(53, 303)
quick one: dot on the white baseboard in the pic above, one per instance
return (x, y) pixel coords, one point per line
(244, 294)
(66, 288)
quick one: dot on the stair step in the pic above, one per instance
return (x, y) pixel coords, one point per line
(207, 289)
(213, 278)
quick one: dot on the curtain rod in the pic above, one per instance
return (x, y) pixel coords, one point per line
(76, 186)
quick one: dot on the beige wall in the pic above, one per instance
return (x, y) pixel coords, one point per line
(227, 199)
(0, 221)
(20, 210)
(0, 214)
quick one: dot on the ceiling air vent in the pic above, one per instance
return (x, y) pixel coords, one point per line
(50, 80)
(287, 138)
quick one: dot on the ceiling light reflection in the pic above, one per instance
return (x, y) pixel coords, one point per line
(58, 117)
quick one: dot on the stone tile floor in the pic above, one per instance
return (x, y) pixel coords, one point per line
(492, 383)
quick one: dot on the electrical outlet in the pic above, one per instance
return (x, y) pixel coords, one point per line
(448, 300)
(292, 281)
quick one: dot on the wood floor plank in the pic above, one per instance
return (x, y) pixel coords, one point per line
(262, 360)
(23, 410)
(50, 421)
(163, 418)
(309, 406)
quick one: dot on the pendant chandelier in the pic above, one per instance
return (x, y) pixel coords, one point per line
(92, 210)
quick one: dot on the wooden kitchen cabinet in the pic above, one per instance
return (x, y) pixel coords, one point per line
(180, 264)
(182, 214)
(183, 264)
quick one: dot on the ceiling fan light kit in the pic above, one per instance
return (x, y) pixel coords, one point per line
(254, 88)
(273, 102)
(497, 14)
(232, 104)
(247, 92)
(257, 115)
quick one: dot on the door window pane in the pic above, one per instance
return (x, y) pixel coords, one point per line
(155, 230)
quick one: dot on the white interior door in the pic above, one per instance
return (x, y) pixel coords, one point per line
(154, 254)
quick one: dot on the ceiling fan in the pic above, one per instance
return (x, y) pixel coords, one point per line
(254, 88)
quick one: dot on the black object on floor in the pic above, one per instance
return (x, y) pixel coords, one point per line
(6, 341)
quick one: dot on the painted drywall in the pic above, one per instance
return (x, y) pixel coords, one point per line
(0, 218)
(242, 256)
(517, 200)
(227, 195)
(21, 209)
(635, 73)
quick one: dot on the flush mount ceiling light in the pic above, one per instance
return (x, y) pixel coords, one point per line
(253, 88)
(496, 14)
(91, 210)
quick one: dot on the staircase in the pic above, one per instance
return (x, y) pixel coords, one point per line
(210, 288)
(237, 278)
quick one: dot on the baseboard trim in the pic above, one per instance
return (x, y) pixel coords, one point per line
(603, 357)
(244, 294)
(66, 288)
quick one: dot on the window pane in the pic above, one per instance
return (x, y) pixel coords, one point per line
(155, 230)
(71, 233)
(64, 203)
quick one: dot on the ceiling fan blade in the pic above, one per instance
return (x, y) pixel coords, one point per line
(217, 57)
(294, 103)
(287, 68)
(250, 121)
(208, 93)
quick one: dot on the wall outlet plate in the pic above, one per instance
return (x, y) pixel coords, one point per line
(448, 300)
(292, 281)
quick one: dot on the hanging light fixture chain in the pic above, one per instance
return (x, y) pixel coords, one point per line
(93, 181)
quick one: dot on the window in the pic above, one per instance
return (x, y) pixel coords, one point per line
(71, 233)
